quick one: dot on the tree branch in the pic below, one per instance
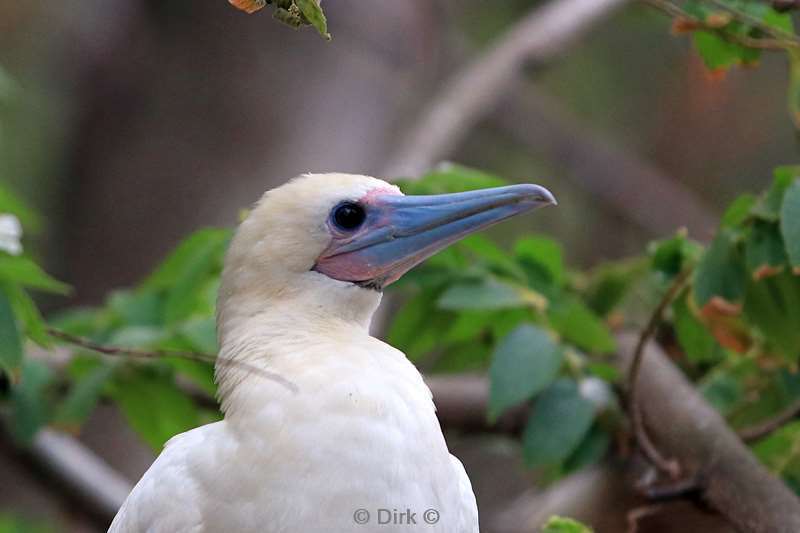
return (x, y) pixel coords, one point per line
(628, 184)
(91, 480)
(686, 427)
(650, 450)
(757, 431)
(472, 92)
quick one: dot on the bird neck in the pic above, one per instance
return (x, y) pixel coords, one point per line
(257, 335)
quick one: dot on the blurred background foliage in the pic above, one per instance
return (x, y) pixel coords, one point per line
(125, 133)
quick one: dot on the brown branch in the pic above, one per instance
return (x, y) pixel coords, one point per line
(674, 10)
(686, 427)
(629, 184)
(689, 429)
(762, 429)
(748, 19)
(117, 351)
(473, 91)
(650, 450)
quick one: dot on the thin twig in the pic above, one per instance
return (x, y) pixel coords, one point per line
(668, 466)
(637, 513)
(679, 489)
(118, 351)
(762, 429)
(674, 10)
(750, 20)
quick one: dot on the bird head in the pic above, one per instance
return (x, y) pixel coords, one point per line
(334, 241)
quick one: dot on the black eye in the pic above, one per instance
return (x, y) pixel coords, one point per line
(349, 216)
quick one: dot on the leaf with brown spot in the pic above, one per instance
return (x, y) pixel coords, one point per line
(724, 321)
(718, 19)
(681, 25)
(765, 271)
(249, 6)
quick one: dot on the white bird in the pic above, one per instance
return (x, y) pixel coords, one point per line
(326, 428)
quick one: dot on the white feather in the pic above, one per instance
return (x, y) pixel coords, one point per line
(321, 419)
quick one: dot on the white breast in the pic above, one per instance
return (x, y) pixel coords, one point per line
(357, 441)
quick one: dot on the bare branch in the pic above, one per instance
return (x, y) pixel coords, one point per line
(131, 353)
(685, 426)
(757, 431)
(627, 183)
(472, 92)
(95, 483)
(650, 450)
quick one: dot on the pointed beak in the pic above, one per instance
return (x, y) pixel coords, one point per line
(402, 231)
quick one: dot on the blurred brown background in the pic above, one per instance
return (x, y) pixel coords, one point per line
(129, 123)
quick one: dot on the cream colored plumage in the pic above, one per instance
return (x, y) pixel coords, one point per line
(321, 419)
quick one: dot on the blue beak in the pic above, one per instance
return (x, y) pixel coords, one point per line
(401, 231)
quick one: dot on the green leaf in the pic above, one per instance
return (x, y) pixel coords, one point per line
(449, 177)
(780, 451)
(10, 339)
(462, 357)
(696, 341)
(698, 344)
(312, 11)
(790, 223)
(773, 306)
(83, 397)
(468, 325)
(544, 253)
(488, 294)
(720, 272)
(153, 406)
(774, 19)
(29, 405)
(197, 246)
(608, 284)
(591, 450)
(10, 203)
(411, 329)
(196, 259)
(718, 53)
(27, 314)
(560, 420)
(577, 324)
(137, 308)
(201, 333)
(524, 363)
(605, 372)
(739, 210)
(670, 256)
(199, 372)
(494, 256)
(21, 270)
(764, 251)
(769, 205)
(83, 322)
(557, 524)
(14, 524)
(793, 92)
(723, 391)
(137, 337)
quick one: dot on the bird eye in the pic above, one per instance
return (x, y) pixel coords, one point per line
(349, 216)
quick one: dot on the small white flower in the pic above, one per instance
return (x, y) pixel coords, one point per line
(10, 234)
(596, 391)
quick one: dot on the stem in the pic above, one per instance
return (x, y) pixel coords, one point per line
(117, 351)
(650, 450)
(675, 10)
(762, 429)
